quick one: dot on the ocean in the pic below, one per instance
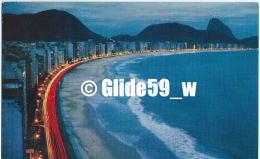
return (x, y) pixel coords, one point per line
(219, 122)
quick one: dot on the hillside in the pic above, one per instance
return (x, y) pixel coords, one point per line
(50, 25)
(176, 32)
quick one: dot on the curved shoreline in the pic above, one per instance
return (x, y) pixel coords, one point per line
(61, 125)
(106, 144)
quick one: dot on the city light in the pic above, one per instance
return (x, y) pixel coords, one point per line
(45, 110)
(40, 89)
(24, 73)
(36, 120)
(37, 136)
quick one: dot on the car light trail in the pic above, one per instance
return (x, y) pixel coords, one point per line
(55, 145)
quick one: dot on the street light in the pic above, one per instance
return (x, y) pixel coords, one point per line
(37, 136)
(40, 89)
(39, 94)
(36, 120)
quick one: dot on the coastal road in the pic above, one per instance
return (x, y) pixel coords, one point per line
(54, 142)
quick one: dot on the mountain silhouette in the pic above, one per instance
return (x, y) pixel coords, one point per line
(218, 26)
(123, 37)
(177, 33)
(250, 42)
(50, 25)
(56, 25)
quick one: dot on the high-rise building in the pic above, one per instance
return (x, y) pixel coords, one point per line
(60, 54)
(91, 47)
(81, 47)
(109, 48)
(38, 65)
(48, 60)
(68, 51)
(101, 48)
(132, 46)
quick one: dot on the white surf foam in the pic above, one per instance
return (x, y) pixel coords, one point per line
(123, 64)
(175, 139)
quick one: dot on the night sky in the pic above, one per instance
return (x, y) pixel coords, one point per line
(109, 19)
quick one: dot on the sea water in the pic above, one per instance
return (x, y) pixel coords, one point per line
(219, 122)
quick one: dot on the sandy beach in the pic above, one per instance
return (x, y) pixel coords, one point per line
(79, 118)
